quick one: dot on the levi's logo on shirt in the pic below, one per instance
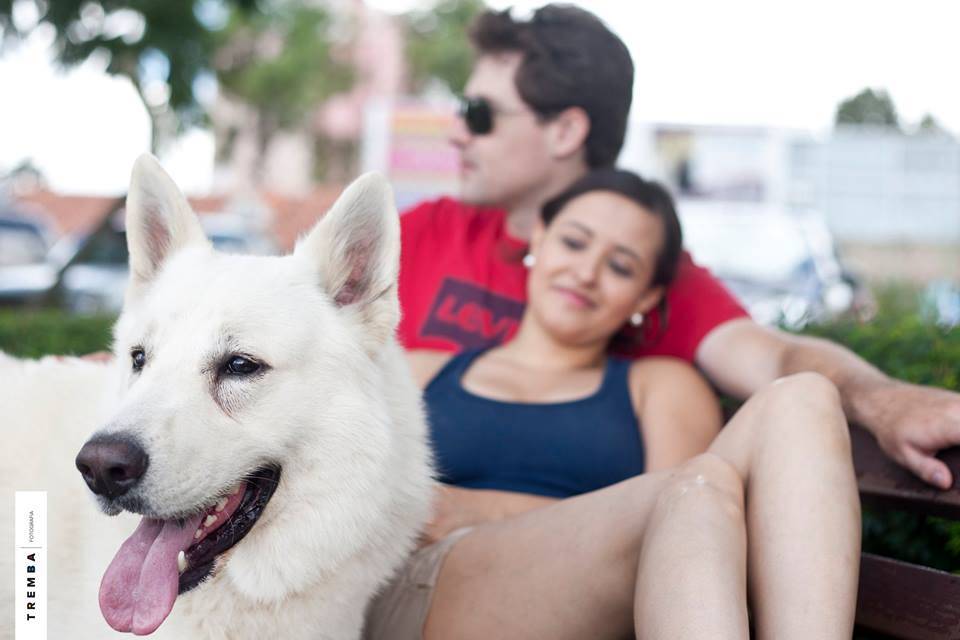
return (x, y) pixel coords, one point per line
(471, 316)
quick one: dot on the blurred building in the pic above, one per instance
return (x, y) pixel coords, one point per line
(890, 200)
(268, 216)
(878, 186)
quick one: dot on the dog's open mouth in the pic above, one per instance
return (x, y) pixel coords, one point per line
(164, 558)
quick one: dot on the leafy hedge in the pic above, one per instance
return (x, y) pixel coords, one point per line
(906, 345)
(899, 341)
(36, 333)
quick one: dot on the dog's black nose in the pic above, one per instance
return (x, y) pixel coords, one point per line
(112, 465)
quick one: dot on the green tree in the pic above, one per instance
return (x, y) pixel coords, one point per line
(929, 124)
(282, 63)
(165, 43)
(437, 43)
(869, 107)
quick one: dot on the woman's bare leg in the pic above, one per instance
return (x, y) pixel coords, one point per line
(692, 580)
(791, 444)
(568, 570)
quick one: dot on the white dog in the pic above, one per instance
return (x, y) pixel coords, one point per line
(258, 416)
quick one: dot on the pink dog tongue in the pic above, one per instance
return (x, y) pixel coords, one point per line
(140, 585)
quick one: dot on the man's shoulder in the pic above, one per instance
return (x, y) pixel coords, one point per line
(696, 288)
(448, 222)
(438, 208)
(691, 274)
(697, 302)
(446, 212)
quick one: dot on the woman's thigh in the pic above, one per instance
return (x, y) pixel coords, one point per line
(568, 570)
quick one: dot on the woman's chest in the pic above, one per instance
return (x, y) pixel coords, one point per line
(490, 379)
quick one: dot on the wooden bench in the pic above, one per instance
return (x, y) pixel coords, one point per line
(899, 599)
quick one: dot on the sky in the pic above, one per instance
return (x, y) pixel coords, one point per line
(736, 62)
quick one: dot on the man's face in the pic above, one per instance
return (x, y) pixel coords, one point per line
(506, 166)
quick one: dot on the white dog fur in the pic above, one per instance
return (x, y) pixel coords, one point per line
(336, 407)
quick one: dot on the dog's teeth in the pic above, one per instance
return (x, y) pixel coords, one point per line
(197, 535)
(210, 520)
(236, 490)
(182, 561)
(221, 504)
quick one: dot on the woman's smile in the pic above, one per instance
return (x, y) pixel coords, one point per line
(575, 298)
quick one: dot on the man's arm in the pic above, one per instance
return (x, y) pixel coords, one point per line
(911, 423)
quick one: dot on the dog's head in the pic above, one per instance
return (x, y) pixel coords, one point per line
(254, 399)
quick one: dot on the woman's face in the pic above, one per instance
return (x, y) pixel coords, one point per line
(594, 265)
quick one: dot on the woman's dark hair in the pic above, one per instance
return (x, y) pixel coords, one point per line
(650, 195)
(570, 59)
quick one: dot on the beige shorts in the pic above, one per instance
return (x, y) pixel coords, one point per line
(400, 610)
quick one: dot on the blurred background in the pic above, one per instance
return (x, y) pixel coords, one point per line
(812, 147)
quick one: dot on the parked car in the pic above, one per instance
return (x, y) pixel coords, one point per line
(26, 274)
(783, 267)
(95, 279)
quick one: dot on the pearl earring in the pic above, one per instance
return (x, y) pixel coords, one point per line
(529, 260)
(636, 319)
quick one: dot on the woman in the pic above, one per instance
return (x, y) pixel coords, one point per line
(569, 518)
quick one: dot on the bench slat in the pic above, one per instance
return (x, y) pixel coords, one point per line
(884, 483)
(908, 601)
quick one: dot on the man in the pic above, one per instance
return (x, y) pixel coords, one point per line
(547, 101)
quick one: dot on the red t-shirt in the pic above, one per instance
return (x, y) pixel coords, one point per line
(463, 286)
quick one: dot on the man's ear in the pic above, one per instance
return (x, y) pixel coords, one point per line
(355, 250)
(567, 132)
(159, 221)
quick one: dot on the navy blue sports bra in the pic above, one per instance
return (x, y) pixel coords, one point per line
(557, 449)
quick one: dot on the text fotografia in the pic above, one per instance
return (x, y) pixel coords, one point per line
(30, 571)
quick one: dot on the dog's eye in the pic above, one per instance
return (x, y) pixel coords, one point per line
(139, 358)
(240, 366)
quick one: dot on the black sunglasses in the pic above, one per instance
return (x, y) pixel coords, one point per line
(477, 114)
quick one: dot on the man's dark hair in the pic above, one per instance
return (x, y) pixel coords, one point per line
(570, 59)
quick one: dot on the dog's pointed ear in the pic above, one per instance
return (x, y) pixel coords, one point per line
(355, 249)
(159, 220)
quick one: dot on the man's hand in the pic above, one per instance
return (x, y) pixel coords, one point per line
(912, 423)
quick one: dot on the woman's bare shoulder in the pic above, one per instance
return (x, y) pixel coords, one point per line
(661, 370)
(661, 375)
(426, 363)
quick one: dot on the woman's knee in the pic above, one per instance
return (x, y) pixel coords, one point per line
(807, 404)
(703, 482)
(803, 390)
